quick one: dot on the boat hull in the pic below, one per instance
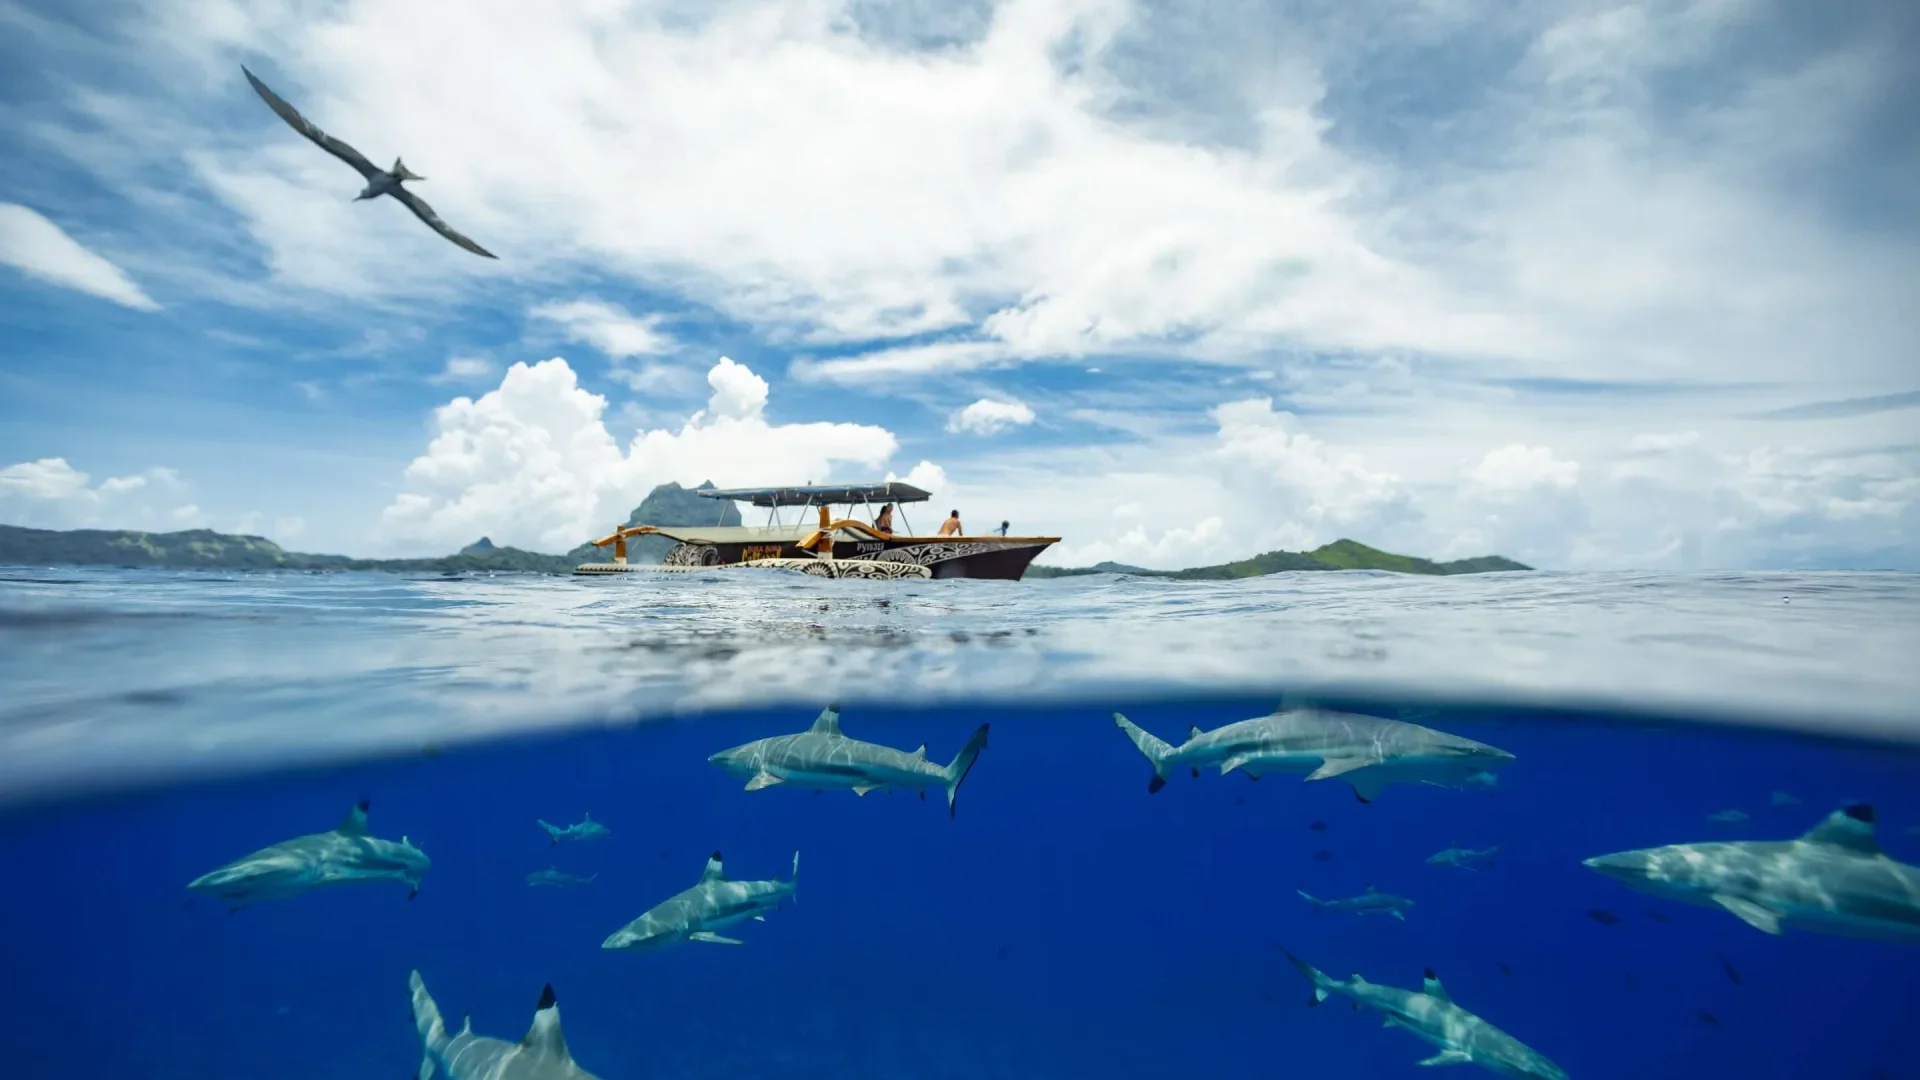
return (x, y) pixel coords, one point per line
(813, 567)
(993, 558)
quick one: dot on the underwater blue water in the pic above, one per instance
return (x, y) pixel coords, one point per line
(1064, 923)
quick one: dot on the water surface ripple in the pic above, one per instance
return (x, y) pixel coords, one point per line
(113, 675)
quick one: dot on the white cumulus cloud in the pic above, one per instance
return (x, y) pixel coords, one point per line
(532, 464)
(464, 369)
(606, 327)
(39, 248)
(990, 417)
(1514, 468)
(49, 493)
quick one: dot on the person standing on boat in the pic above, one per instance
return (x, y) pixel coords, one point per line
(1003, 529)
(951, 526)
(884, 522)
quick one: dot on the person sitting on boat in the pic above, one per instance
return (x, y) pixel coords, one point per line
(884, 522)
(1003, 529)
(951, 526)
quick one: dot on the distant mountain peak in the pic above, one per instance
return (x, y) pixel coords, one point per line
(481, 546)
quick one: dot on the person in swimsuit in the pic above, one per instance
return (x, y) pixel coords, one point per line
(951, 526)
(885, 521)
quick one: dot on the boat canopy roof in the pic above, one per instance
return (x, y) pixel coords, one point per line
(821, 494)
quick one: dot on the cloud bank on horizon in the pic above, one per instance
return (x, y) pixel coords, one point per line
(1592, 288)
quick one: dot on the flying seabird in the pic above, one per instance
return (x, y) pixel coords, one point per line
(379, 181)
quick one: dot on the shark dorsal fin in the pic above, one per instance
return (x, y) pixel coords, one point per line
(1194, 732)
(828, 722)
(587, 817)
(1850, 828)
(922, 752)
(544, 1037)
(714, 870)
(355, 823)
(1434, 988)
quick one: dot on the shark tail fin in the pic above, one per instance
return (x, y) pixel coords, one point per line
(1314, 975)
(962, 764)
(427, 1021)
(1152, 748)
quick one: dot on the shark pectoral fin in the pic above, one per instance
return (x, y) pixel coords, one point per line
(1366, 786)
(712, 938)
(1398, 914)
(1235, 762)
(759, 918)
(1449, 1057)
(761, 779)
(862, 789)
(1754, 915)
(1336, 766)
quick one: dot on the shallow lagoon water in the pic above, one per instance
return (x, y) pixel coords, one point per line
(1063, 923)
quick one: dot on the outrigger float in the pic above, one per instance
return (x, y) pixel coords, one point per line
(829, 547)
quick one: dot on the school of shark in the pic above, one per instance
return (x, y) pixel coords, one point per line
(1833, 879)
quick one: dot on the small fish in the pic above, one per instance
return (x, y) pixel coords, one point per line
(1603, 916)
(1656, 916)
(585, 829)
(1727, 966)
(1781, 798)
(1506, 969)
(1707, 1017)
(1318, 826)
(559, 879)
(1323, 855)
(1728, 817)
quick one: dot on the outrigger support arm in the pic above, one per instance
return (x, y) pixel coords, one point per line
(618, 539)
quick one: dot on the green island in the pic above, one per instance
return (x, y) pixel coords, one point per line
(1339, 555)
(668, 504)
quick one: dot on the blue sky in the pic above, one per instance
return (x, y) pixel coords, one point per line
(1594, 286)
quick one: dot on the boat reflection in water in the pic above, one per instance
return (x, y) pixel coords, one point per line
(828, 546)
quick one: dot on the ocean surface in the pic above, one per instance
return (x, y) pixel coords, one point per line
(1062, 922)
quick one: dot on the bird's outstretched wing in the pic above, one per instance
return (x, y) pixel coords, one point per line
(305, 127)
(425, 213)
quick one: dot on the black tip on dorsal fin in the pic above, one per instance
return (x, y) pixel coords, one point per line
(365, 805)
(835, 706)
(1431, 975)
(547, 1000)
(1861, 812)
(716, 857)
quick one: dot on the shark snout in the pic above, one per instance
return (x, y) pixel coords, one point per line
(627, 938)
(1621, 866)
(218, 880)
